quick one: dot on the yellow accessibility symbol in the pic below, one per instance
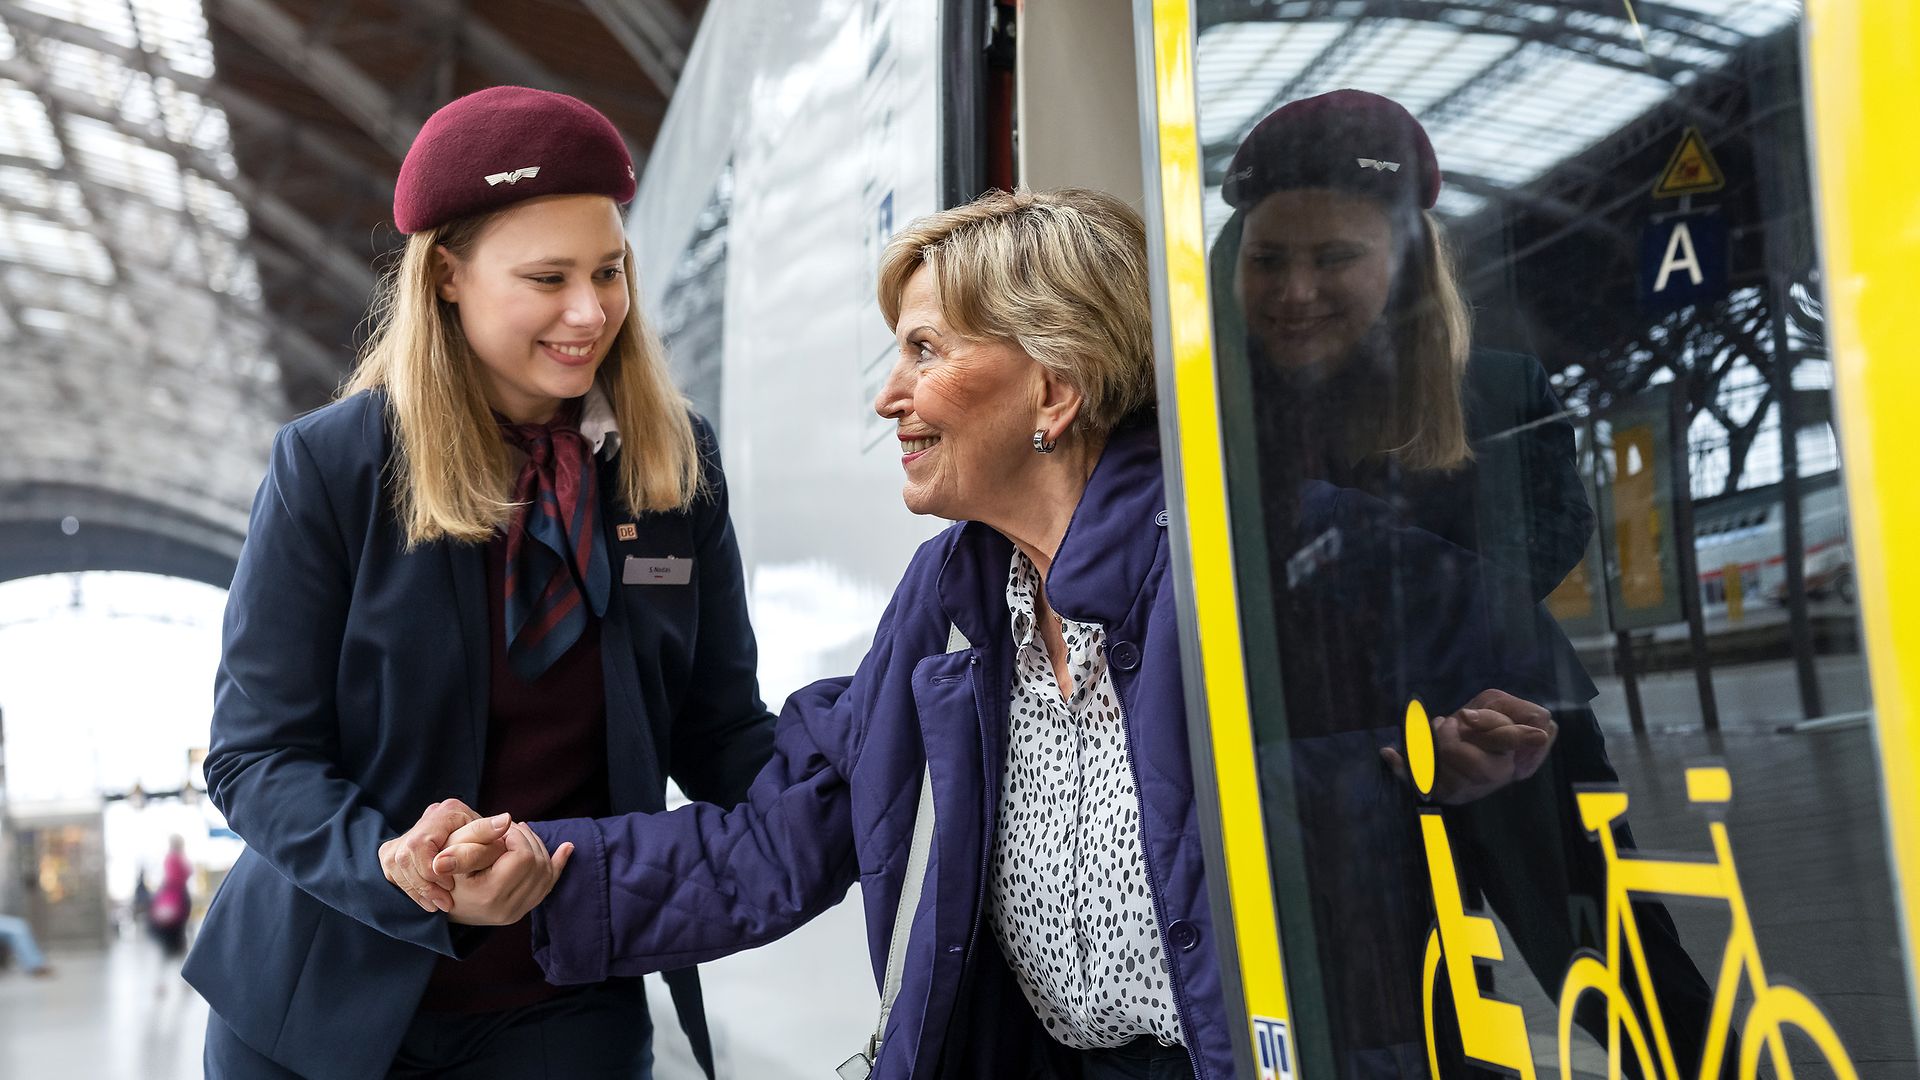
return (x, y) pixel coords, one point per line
(1691, 170)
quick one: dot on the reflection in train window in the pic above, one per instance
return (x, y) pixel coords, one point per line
(1519, 332)
(693, 305)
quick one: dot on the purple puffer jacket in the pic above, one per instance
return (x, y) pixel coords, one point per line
(836, 803)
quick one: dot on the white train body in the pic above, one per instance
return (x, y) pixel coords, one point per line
(1746, 534)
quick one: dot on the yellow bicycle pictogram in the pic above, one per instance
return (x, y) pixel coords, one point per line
(1494, 1032)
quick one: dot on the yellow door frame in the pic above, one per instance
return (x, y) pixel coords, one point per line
(1863, 65)
(1172, 143)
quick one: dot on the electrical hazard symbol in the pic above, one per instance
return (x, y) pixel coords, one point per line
(1691, 170)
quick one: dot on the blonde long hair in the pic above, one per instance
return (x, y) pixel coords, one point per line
(1433, 333)
(452, 473)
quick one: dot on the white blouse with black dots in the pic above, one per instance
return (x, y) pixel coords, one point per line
(1071, 905)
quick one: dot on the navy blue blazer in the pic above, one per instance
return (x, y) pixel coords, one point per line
(353, 691)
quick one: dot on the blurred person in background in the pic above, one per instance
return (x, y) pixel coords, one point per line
(22, 949)
(172, 904)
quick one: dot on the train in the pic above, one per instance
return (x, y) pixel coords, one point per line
(1741, 538)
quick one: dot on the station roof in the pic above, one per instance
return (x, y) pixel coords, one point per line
(193, 196)
(193, 193)
(1507, 91)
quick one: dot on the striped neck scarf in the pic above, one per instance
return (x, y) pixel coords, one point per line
(557, 574)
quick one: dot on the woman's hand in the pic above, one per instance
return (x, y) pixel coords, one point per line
(1494, 740)
(407, 860)
(517, 874)
(471, 849)
(1516, 735)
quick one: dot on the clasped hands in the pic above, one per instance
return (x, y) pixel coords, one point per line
(1492, 741)
(491, 871)
(480, 871)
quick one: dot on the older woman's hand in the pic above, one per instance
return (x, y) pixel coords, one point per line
(472, 848)
(1494, 740)
(407, 860)
(517, 874)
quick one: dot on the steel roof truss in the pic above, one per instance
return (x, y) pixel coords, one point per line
(322, 67)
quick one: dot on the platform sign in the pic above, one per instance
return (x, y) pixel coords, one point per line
(1643, 579)
(1691, 169)
(1579, 602)
(1575, 602)
(1733, 581)
(1683, 260)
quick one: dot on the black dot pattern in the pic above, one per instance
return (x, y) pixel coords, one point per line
(1071, 905)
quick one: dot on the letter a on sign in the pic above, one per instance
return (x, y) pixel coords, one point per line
(1680, 256)
(1691, 170)
(1683, 260)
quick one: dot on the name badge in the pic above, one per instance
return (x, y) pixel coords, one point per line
(666, 570)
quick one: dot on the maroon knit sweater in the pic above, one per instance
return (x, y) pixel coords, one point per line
(546, 759)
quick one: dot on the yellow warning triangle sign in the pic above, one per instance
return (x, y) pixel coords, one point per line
(1691, 170)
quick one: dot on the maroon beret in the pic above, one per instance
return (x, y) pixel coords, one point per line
(503, 145)
(1348, 140)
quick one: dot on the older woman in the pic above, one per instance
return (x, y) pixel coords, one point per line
(1023, 688)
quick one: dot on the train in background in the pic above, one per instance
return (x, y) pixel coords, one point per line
(1741, 538)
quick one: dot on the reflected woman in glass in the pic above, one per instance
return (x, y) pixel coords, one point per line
(1343, 311)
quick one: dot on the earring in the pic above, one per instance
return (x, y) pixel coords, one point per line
(1042, 444)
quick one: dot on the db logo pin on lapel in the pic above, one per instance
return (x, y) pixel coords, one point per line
(627, 531)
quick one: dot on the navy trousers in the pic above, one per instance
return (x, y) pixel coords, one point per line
(597, 1032)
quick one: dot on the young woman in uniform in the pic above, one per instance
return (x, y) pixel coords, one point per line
(499, 568)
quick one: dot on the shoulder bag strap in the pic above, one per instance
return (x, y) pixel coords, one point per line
(860, 1065)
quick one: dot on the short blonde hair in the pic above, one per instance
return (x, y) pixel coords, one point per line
(453, 475)
(1062, 274)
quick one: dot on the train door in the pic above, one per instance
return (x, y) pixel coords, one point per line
(1531, 376)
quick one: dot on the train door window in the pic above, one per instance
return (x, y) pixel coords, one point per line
(1517, 350)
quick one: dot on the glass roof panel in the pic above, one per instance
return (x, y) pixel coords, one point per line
(113, 158)
(1749, 18)
(22, 187)
(90, 74)
(1543, 116)
(112, 19)
(127, 290)
(177, 30)
(1506, 90)
(190, 120)
(25, 131)
(1237, 62)
(47, 245)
